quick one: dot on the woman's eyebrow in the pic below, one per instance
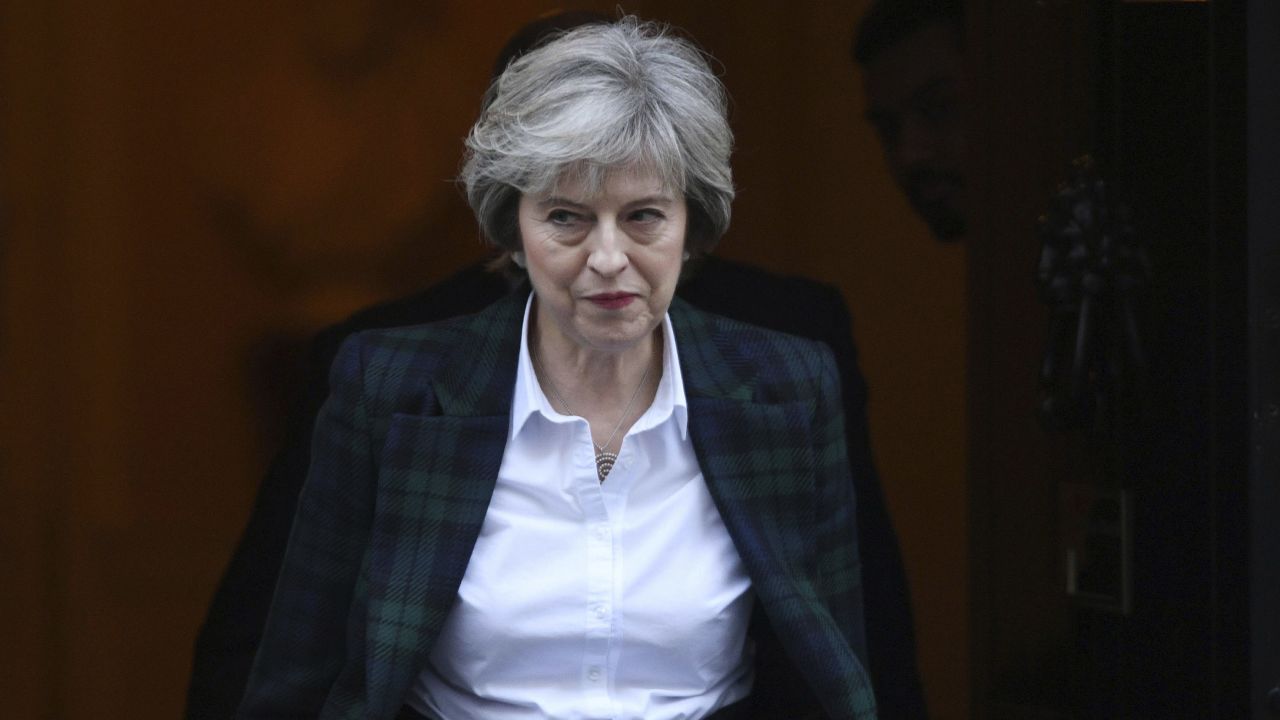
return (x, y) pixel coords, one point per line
(652, 200)
(557, 200)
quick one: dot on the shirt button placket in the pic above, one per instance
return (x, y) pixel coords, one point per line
(598, 621)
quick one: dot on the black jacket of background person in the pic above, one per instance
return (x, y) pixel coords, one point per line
(229, 638)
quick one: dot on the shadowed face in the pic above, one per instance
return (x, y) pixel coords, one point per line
(915, 102)
(603, 266)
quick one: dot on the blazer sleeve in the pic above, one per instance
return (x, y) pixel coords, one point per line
(304, 644)
(839, 569)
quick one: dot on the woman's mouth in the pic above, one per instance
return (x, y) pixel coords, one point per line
(612, 301)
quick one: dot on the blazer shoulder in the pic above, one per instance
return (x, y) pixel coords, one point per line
(466, 292)
(393, 365)
(411, 344)
(779, 365)
(391, 349)
(399, 366)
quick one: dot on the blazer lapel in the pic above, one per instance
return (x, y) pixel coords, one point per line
(758, 461)
(436, 477)
(756, 457)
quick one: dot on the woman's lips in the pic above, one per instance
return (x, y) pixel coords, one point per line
(612, 301)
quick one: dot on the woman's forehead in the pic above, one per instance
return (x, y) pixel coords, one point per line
(634, 180)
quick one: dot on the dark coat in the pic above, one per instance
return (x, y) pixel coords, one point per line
(233, 629)
(408, 448)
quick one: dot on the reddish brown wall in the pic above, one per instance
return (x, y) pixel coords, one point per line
(187, 186)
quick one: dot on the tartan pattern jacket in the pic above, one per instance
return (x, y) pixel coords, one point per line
(406, 453)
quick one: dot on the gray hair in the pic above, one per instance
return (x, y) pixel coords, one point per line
(600, 98)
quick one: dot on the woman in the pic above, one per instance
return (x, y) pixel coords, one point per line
(587, 501)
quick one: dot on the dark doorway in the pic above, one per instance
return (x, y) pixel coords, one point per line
(1112, 486)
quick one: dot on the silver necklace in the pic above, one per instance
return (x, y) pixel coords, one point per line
(604, 459)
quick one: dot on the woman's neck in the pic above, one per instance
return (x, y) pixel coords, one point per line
(610, 389)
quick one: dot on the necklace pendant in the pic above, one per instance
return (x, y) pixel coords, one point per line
(604, 463)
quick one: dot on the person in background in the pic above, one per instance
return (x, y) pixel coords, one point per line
(912, 57)
(590, 499)
(232, 630)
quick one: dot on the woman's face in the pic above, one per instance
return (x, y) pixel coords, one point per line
(604, 267)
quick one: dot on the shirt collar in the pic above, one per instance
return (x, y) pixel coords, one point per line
(669, 402)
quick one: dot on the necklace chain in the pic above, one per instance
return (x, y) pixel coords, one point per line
(604, 459)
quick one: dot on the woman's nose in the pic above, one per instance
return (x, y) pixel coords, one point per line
(608, 249)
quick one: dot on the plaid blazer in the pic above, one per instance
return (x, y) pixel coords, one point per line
(406, 453)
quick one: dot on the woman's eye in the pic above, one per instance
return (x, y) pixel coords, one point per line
(561, 217)
(647, 215)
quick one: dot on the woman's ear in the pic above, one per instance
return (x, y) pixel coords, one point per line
(517, 257)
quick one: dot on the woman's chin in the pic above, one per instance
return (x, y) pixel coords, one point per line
(618, 338)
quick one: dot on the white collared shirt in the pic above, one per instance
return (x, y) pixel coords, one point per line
(624, 600)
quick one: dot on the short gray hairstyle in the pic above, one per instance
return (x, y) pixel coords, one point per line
(600, 98)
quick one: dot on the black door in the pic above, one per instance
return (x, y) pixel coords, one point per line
(1119, 408)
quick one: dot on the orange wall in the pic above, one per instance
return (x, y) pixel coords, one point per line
(187, 186)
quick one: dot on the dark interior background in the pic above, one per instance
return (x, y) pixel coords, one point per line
(189, 190)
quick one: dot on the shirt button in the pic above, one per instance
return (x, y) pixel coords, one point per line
(601, 611)
(602, 532)
(594, 674)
